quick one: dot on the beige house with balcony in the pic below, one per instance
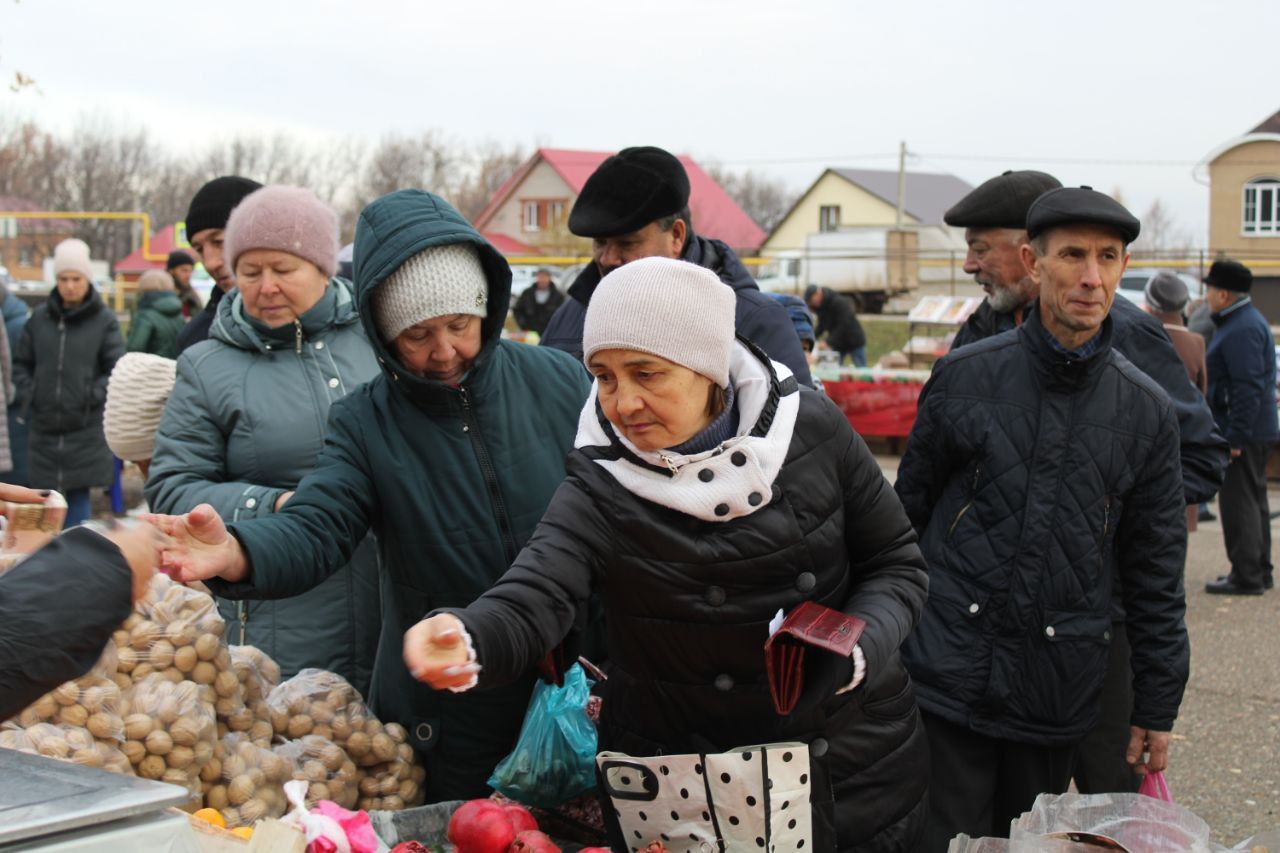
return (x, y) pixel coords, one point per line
(1244, 208)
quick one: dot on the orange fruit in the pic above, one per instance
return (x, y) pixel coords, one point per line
(212, 816)
(245, 832)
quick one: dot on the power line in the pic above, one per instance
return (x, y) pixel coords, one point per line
(986, 158)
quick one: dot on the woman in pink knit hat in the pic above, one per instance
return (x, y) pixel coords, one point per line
(247, 417)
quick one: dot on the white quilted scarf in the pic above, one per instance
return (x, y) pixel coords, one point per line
(731, 486)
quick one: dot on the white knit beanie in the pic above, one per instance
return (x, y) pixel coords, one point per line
(673, 309)
(436, 282)
(72, 256)
(136, 393)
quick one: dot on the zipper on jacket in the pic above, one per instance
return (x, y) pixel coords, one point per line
(973, 493)
(489, 474)
(297, 336)
(57, 395)
(670, 462)
(1106, 527)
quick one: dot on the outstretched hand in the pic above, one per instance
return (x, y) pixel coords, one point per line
(436, 654)
(200, 547)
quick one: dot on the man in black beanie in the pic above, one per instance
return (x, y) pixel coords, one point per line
(181, 266)
(636, 205)
(210, 208)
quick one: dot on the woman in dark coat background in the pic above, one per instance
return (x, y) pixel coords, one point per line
(60, 368)
(706, 493)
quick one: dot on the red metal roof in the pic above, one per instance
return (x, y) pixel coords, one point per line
(509, 245)
(161, 244)
(714, 213)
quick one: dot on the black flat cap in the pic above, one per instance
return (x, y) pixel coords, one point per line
(1001, 202)
(631, 189)
(212, 204)
(178, 258)
(1230, 275)
(1080, 206)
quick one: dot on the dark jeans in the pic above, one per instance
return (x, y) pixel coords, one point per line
(1100, 765)
(857, 356)
(78, 507)
(979, 785)
(1246, 517)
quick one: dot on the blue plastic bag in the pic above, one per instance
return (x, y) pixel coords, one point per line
(555, 756)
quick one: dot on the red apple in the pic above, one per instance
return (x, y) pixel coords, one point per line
(481, 826)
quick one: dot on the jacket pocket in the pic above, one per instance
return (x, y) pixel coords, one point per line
(1065, 669)
(970, 496)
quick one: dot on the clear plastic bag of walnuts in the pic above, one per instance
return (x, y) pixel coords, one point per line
(170, 731)
(248, 781)
(91, 702)
(258, 675)
(329, 772)
(69, 743)
(176, 632)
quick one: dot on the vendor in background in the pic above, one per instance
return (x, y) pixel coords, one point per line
(536, 304)
(59, 606)
(246, 420)
(450, 455)
(182, 266)
(707, 491)
(802, 321)
(157, 317)
(60, 368)
(838, 323)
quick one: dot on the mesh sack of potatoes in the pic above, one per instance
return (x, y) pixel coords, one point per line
(92, 702)
(170, 730)
(68, 743)
(248, 781)
(394, 783)
(258, 675)
(329, 772)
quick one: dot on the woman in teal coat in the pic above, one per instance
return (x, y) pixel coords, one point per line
(450, 457)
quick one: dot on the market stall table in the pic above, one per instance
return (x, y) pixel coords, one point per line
(877, 401)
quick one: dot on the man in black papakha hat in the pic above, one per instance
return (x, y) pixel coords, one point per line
(636, 205)
(1042, 476)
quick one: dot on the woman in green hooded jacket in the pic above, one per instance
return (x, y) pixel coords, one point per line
(157, 319)
(450, 457)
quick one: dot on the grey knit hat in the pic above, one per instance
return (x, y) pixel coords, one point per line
(436, 282)
(672, 309)
(1166, 293)
(138, 388)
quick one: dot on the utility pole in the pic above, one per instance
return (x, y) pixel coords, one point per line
(902, 182)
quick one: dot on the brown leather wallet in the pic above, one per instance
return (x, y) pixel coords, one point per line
(809, 624)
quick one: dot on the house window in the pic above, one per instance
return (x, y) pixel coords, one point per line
(1261, 213)
(829, 217)
(24, 256)
(541, 214)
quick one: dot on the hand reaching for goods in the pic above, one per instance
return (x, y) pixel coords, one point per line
(436, 653)
(142, 546)
(200, 547)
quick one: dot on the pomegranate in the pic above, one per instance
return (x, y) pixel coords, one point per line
(519, 817)
(534, 841)
(481, 826)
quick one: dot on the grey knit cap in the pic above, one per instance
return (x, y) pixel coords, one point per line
(1166, 293)
(436, 282)
(672, 309)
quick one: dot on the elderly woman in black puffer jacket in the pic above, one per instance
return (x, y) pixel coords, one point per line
(706, 493)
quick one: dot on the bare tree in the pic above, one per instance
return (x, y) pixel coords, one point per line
(1160, 235)
(491, 166)
(766, 200)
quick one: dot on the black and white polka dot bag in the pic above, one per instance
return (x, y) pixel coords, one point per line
(750, 798)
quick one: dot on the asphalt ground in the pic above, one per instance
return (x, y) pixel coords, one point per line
(1224, 763)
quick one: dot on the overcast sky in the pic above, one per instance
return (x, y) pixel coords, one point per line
(1113, 94)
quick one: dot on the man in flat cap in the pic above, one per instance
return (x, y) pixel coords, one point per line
(1242, 392)
(994, 217)
(636, 205)
(1042, 476)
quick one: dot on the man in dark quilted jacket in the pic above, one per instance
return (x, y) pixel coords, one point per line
(1043, 477)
